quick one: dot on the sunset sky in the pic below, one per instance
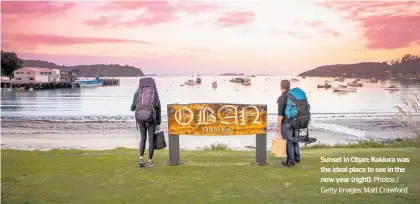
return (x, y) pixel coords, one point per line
(211, 37)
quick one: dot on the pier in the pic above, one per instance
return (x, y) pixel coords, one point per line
(52, 85)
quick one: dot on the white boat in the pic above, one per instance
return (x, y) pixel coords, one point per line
(373, 80)
(392, 88)
(246, 82)
(344, 88)
(341, 79)
(355, 83)
(88, 82)
(190, 83)
(31, 89)
(294, 80)
(214, 84)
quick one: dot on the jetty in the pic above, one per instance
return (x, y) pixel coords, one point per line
(51, 84)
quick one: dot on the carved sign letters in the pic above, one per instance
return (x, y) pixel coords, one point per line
(217, 119)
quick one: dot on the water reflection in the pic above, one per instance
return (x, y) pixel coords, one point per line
(116, 100)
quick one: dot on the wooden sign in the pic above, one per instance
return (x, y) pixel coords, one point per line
(217, 119)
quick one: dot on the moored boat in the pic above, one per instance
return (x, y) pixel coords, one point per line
(326, 86)
(198, 81)
(214, 84)
(294, 80)
(355, 83)
(88, 82)
(373, 80)
(237, 80)
(246, 82)
(341, 79)
(392, 88)
(343, 88)
(190, 82)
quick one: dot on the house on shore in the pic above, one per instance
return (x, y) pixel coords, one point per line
(69, 74)
(35, 74)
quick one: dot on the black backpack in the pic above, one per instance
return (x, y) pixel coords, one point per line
(297, 109)
(145, 111)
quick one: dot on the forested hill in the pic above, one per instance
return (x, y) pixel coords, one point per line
(406, 67)
(111, 70)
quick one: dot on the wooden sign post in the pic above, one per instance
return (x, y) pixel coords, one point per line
(203, 119)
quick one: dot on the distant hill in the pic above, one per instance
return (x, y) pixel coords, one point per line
(111, 70)
(232, 74)
(407, 66)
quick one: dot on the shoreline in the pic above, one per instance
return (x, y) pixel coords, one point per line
(46, 135)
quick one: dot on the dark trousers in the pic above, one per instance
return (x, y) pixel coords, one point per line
(292, 145)
(147, 129)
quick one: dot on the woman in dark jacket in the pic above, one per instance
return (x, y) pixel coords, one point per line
(147, 128)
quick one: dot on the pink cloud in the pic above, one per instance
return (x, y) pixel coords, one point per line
(356, 9)
(158, 12)
(195, 7)
(163, 6)
(32, 41)
(391, 32)
(152, 6)
(386, 25)
(147, 20)
(237, 18)
(34, 8)
(102, 21)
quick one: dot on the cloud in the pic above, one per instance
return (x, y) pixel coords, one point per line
(163, 6)
(385, 25)
(356, 9)
(35, 8)
(157, 12)
(391, 32)
(32, 41)
(237, 18)
(102, 21)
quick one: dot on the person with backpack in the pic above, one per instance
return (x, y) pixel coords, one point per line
(146, 105)
(293, 115)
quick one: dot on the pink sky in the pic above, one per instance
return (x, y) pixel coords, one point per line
(211, 37)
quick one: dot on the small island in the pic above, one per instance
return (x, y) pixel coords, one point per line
(408, 67)
(232, 74)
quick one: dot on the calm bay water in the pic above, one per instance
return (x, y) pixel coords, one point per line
(336, 113)
(115, 101)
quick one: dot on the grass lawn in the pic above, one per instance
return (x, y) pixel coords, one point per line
(73, 176)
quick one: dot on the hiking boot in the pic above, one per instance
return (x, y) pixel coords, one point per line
(287, 163)
(150, 164)
(141, 163)
(297, 161)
